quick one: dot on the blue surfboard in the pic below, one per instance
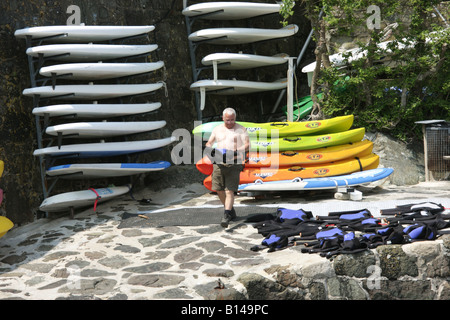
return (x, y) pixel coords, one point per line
(354, 179)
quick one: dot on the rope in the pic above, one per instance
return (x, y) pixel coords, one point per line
(96, 199)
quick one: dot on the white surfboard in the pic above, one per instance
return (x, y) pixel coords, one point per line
(104, 170)
(98, 71)
(230, 10)
(340, 59)
(103, 129)
(82, 33)
(228, 36)
(92, 92)
(232, 87)
(79, 199)
(239, 61)
(89, 52)
(105, 149)
(337, 59)
(93, 110)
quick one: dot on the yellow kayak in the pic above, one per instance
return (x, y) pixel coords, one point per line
(282, 129)
(2, 167)
(307, 142)
(5, 225)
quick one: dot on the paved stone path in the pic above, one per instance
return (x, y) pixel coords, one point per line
(90, 257)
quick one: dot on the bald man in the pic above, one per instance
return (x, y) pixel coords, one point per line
(232, 139)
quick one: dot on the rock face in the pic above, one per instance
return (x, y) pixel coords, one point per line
(407, 161)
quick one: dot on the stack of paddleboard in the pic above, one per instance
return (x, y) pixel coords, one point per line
(84, 55)
(5, 223)
(235, 36)
(282, 153)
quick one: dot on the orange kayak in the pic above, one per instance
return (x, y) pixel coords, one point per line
(250, 175)
(299, 157)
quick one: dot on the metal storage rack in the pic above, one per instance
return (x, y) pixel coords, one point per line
(290, 72)
(196, 70)
(35, 64)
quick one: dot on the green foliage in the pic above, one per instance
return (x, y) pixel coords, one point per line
(286, 11)
(413, 84)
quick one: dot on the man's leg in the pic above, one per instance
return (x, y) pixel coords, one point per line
(229, 213)
(226, 198)
(222, 196)
(229, 200)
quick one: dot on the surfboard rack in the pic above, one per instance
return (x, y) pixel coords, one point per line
(55, 76)
(60, 138)
(39, 41)
(200, 96)
(41, 61)
(72, 212)
(42, 121)
(193, 45)
(196, 43)
(206, 15)
(56, 179)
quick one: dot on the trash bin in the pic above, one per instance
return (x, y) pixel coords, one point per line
(436, 149)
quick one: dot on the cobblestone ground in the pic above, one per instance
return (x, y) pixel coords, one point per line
(92, 257)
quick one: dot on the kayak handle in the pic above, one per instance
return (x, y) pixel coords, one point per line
(293, 139)
(296, 169)
(279, 124)
(289, 154)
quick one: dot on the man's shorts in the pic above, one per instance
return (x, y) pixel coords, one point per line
(226, 176)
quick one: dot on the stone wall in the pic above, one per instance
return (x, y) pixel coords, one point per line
(416, 271)
(21, 180)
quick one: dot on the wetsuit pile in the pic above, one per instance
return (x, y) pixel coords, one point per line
(350, 231)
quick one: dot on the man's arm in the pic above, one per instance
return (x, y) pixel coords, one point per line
(246, 144)
(245, 141)
(211, 140)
